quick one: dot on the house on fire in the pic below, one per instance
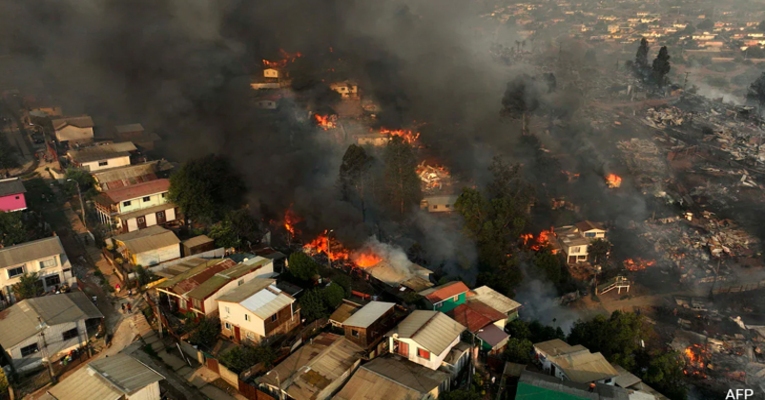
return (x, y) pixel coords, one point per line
(73, 130)
(390, 377)
(102, 156)
(446, 297)
(574, 240)
(12, 195)
(150, 246)
(62, 319)
(412, 276)
(197, 288)
(46, 257)
(574, 363)
(427, 338)
(315, 371)
(256, 310)
(140, 206)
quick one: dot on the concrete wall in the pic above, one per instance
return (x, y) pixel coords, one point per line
(110, 163)
(435, 359)
(229, 376)
(14, 202)
(56, 345)
(139, 204)
(157, 256)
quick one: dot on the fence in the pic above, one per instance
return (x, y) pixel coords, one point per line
(740, 288)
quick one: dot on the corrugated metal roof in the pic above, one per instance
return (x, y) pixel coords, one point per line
(495, 300)
(343, 312)
(399, 373)
(214, 283)
(475, 315)
(537, 386)
(11, 186)
(80, 122)
(101, 152)
(492, 335)
(433, 330)
(576, 361)
(105, 379)
(139, 190)
(129, 128)
(446, 291)
(395, 276)
(127, 175)
(30, 251)
(367, 385)
(585, 226)
(625, 378)
(197, 241)
(151, 238)
(20, 321)
(368, 314)
(260, 296)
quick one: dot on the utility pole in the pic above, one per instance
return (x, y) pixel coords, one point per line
(42, 326)
(82, 205)
(329, 248)
(159, 320)
(685, 82)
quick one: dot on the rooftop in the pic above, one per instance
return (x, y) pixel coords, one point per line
(129, 128)
(577, 362)
(538, 386)
(446, 291)
(260, 296)
(30, 251)
(345, 311)
(101, 152)
(151, 238)
(433, 330)
(368, 314)
(115, 178)
(197, 241)
(21, 320)
(79, 122)
(585, 226)
(137, 191)
(475, 315)
(11, 186)
(391, 377)
(410, 276)
(494, 299)
(206, 278)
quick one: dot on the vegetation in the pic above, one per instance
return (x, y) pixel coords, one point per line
(82, 178)
(312, 305)
(551, 266)
(244, 357)
(12, 229)
(302, 267)
(402, 186)
(333, 295)
(641, 58)
(207, 188)
(599, 251)
(206, 333)
(519, 351)
(354, 175)
(29, 286)
(661, 66)
(144, 275)
(756, 92)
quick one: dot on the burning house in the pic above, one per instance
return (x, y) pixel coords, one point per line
(574, 240)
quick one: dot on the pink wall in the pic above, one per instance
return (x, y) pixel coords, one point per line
(9, 203)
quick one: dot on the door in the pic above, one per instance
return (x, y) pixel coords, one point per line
(237, 334)
(141, 222)
(401, 348)
(212, 365)
(161, 219)
(552, 369)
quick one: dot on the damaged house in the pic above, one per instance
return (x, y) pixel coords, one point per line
(574, 240)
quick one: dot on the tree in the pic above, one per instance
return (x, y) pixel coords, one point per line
(550, 265)
(8, 155)
(207, 188)
(665, 374)
(302, 267)
(145, 276)
(236, 228)
(705, 24)
(29, 286)
(333, 295)
(461, 394)
(12, 229)
(519, 350)
(661, 66)
(206, 333)
(82, 178)
(641, 58)
(617, 337)
(4, 385)
(521, 98)
(354, 173)
(245, 357)
(402, 186)
(518, 329)
(756, 92)
(312, 305)
(599, 249)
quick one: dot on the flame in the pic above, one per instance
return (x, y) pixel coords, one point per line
(324, 121)
(365, 259)
(570, 175)
(286, 58)
(638, 264)
(526, 238)
(406, 134)
(613, 181)
(321, 245)
(290, 219)
(540, 242)
(432, 175)
(697, 360)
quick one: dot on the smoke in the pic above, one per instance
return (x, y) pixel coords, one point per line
(540, 302)
(445, 245)
(393, 255)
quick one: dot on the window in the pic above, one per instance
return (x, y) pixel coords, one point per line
(422, 353)
(246, 317)
(52, 280)
(31, 349)
(227, 325)
(448, 205)
(183, 304)
(197, 304)
(72, 333)
(240, 283)
(103, 163)
(12, 272)
(147, 199)
(575, 249)
(17, 197)
(125, 204)
(354, 333)
(141, 220)
(435, 206)
(164, 195)
(274, 317)
(439, 305)
(227, 310)
(589, 234)
(48, 263)
(456, 298)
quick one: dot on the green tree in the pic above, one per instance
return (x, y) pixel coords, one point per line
(665, 374)
(29, 286)
(599, 249)
(12, 229)
(302, 267)
(617, 337)
(519, 350)
(641, 58)
(312, 305)
(237, 229)
(542, 333)
(461, 394)
(706, 24)
(206, 333)
(82, 178)
(661, 66)
(8, 155)
(354, 174)
(333, 295)
(244, 357)
(550, 265)
(756, 92)
(207, 188)
(145, 276)
(518, 329)
(402, 186)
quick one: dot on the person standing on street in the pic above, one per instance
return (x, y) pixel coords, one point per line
(130, 308)
(123, 308)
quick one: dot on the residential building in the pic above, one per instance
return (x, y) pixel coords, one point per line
(46, 327)
(347, 89)
(369, 324)
(73, 130)
(256, 310)
(315, 371)
(197, 244)
(148, 246)
(119, 377)
(12, 195)
(634, 385)
(102, 156)
(414, 277)
(497, 301)
(197, 288)
(574, 363)
(343, 312)
(45, 257)
(140, 206)
(390, 377)
(129, 175)
(425, 338)
(446, 297)
(574, 240)
(485, 323)
(532, 385)
(439, 204)
(136, 134)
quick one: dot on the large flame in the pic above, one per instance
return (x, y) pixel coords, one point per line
(613, 181)
(286, 58)
(405, 134)
(432, 175)
(337, 252)
(324, 121)
(540, 242)
(290, 219)
(697, 360)
(638, 264)
(365, 258)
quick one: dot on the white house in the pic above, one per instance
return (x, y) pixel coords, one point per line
(46, 257)
(439, 204)
(574, 240)
(257, 309)
(73, 129)
(574, 363)
(119, 377)
(102, 156)
(425, 337)
(150, 246)
(45, 327)
(134, 207)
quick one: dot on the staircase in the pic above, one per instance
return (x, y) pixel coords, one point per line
(147, 334)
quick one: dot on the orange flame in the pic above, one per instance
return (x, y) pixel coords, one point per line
(406, 134)
(365, 259)
(290, 219)
(324, 122)
(613, 181)
(321, 245)
(638, 264)
(540, 242)
(286, 58)
(697, 357)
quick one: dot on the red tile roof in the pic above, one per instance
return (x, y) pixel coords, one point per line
(139, 190)
(446, 291)
(475, 315)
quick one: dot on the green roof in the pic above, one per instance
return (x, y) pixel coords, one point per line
(212, 285)
(526, 391)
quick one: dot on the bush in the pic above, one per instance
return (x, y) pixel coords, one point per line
(333, 295)
(206, 333)
(245, 357)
